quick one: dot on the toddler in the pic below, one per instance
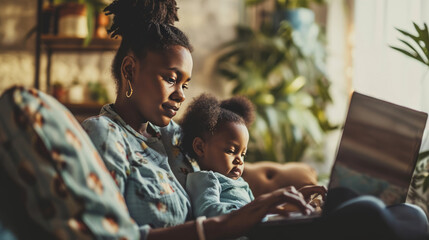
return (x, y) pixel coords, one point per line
(216, 136)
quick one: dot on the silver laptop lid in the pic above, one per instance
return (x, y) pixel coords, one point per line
(378, 149)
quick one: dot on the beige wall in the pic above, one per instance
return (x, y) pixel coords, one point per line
(17, 17)
(208, 23)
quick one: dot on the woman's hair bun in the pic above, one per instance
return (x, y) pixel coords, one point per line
(132, 15)
(241, 106)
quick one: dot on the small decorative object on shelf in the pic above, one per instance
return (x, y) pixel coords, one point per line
(75, 18)
(59, 92)
(101, 24)
(72, 20)
(76, 93)
(97, 93)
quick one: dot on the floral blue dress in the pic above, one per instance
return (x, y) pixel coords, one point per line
(149, 171)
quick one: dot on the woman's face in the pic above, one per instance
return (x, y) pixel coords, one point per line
(159, 82)
(224, 151)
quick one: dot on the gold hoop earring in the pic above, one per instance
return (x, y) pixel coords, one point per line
(131, 90)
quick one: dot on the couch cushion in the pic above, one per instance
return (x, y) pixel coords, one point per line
(264, 177)
(60, 178)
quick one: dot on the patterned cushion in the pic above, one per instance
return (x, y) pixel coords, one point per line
(63, 184)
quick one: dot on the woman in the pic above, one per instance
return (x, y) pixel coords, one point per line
(140, 144)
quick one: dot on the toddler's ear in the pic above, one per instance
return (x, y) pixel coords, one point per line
(198, 146)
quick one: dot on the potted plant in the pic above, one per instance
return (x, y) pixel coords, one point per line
(289, 89)
(418, 48)
(76, 92)
(287, 4)
(72, 19)
(297, 12)
(97, 92)
(85, 16)
(59, 91)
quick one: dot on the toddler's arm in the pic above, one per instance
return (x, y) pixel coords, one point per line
(204, 190)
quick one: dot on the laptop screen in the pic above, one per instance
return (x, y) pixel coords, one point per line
(378, 149)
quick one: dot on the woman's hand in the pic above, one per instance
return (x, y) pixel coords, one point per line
(240, 221)
(314, 195)
(311, 191)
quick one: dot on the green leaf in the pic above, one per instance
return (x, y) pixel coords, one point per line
(253, 2)
(425, 184)
(421, 40)
(425, 36)
(296, 85)
(417, 54)
(407, 53)
(415, 38)
(270, 69)
(423, 155)
(90, 13)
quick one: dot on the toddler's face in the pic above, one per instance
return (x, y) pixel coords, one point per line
(225, 150)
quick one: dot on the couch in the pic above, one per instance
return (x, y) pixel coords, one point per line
(265, 176)
(52, 174)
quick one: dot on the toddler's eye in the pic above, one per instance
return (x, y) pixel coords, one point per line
(185, 86)
(229, 151)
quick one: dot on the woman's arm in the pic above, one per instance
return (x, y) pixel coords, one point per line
(238, 222)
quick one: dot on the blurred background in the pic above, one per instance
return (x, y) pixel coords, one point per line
(298, 61)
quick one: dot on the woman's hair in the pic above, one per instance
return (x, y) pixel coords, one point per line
(206, 114)
(144, 25)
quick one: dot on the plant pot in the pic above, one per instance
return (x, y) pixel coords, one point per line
(72, 20)
(301, 19)
(101, 23)
(59, 92)
(76, 94)
(305, 30)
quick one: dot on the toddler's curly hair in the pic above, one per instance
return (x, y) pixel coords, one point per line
(206, 114)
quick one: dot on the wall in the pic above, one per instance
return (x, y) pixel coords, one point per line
(17, 17)
(380, 71)
(207, 23)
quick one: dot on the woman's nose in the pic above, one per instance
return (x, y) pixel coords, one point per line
(179, 95)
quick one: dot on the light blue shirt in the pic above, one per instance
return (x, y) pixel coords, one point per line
(149, 171)
(214, 194)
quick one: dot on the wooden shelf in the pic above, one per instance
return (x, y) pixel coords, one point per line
(59, 43)
(83, 111)
(54, 43)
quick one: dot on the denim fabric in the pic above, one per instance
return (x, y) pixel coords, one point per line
(6, 234)
(148, 170)
(64, 187)
(214, 194)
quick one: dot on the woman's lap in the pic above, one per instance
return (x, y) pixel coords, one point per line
(349, 216)
(367, 217)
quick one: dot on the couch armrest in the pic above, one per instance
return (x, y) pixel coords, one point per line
(264, 177)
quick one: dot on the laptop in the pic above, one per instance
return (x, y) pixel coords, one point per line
(377, 153)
